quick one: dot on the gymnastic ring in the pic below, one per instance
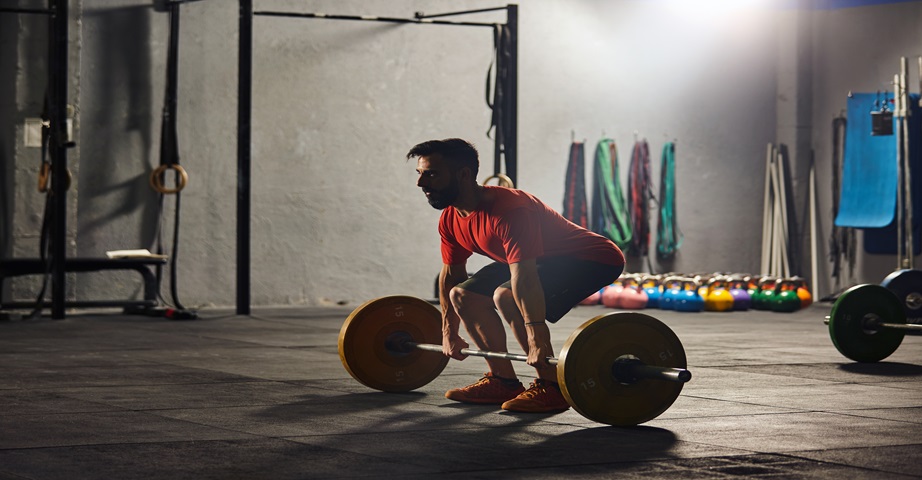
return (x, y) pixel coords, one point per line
(503, 180)
(44, 175)
(157, 184)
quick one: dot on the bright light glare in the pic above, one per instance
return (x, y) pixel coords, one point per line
(707, 11)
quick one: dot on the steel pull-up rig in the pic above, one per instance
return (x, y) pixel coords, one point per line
(505, 107)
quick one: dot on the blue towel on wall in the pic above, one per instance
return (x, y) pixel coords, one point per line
(869, 174)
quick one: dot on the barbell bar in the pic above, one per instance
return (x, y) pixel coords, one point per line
(627, 368)
(872, 323)
(621, 368)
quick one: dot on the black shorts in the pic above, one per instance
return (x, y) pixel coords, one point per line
(566, 281)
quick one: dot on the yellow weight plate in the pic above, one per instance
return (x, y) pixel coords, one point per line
(363, 343)
(584, 368)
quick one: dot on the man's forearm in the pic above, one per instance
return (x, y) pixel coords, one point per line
(449, 277)
(527, 290)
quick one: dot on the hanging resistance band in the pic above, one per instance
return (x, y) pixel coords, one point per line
(44, 186)
(169, 157)
(668, 236)
(638, 196)
(610, 216)
(842, 240)
(574, 201)
(497, 100)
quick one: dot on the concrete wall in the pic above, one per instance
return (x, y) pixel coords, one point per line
(336, 105)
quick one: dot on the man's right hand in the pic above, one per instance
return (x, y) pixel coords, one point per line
(452, 346)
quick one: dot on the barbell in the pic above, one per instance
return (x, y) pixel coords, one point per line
(621, 368)
(868, 323)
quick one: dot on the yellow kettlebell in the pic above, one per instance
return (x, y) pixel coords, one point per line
(718, 297)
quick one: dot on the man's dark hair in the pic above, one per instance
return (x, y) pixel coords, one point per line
(459, 153)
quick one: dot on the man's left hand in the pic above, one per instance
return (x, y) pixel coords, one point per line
(539, 344)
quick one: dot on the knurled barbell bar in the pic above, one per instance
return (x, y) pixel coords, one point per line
(868, 323)
(621, 368)
(626, 368)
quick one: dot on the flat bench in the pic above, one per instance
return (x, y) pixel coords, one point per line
(16, 267)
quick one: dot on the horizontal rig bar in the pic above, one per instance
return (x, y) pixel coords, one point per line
(639, 370)
(179, 2)
(365, 18)
(450, 14)
(27, 10)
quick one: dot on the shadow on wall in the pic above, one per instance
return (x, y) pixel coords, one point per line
(119, 125)
(8, 47)
(23, 55)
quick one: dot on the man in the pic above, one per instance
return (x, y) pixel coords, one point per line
(543, 266)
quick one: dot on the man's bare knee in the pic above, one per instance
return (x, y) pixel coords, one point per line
(466, 302)
(504, 301)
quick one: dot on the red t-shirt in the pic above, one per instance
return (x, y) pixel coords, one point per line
(516, 226)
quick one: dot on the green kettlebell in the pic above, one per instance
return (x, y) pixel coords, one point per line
(785, 299)
(762, 298)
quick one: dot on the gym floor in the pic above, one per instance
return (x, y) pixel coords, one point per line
(109, 396)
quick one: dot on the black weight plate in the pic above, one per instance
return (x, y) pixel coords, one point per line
(848, 323)
(907, 286)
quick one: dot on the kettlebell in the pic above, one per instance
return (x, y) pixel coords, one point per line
(785, 299)
(688, 299)
(702, 280)
(651, 286)
(741, 297)
(632, 297)
(752, 285)
(671, 287)
(762, 298)
(610, 295)
(803, 292)
(718, 298)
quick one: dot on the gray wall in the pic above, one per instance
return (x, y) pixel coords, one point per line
(336, 214)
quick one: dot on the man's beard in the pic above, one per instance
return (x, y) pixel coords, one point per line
(442, 199)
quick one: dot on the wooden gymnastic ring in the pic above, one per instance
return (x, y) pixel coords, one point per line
(157, 184)
(503, 180)
(44, 176)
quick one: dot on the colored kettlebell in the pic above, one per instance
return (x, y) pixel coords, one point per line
(785, 299)
(741, 297)
(689, 299)
(763, 297)
(610, 295)
(671, 287)
(651, 287)
(718, 298)
(752, 286)
(632, 297)
(803, 292)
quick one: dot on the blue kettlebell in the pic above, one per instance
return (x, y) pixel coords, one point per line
(689, 299)
(671, 288)
(653, 290)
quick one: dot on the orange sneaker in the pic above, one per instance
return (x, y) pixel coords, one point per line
(542, 396)
(488, 390)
